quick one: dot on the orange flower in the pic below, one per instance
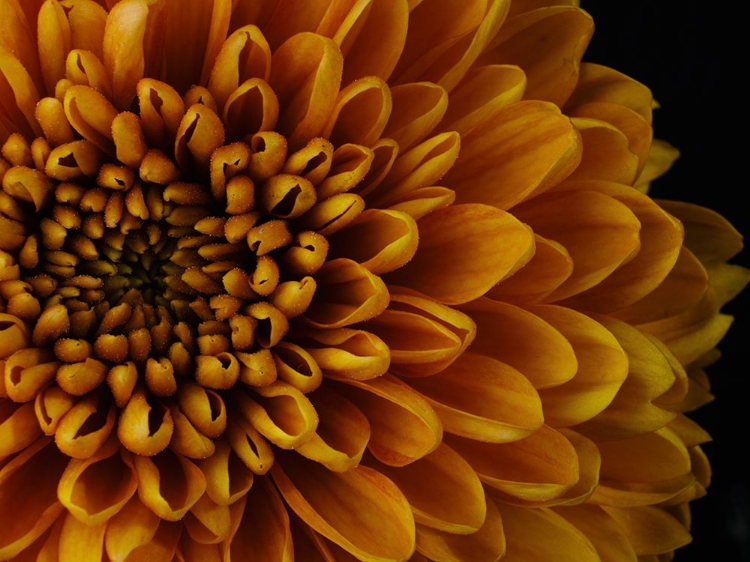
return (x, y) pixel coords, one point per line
(371, 280)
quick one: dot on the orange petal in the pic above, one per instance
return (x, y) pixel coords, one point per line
(548, 45)
(417, 108)
(207, 521)
(562, 541)
(95, 489)
(227, 478)
(122, 49)
(530, 345)
(423, 336)
(609, 539)
(484, 545)
(606, 154)
(455, 270)
(346, 353)
(342, 434)
(379, 240)
(91, 114)
(403, 426)
(347, 293)
(18, 96)
(80, 541)
(602, 368)
(260, 525)
(361, 510)
(250, 109)
(599, 233)
(87, 21)
(361, 113)
(528, 147)
(29, 480)
(169, 484)
(307, 85)
(482, 399)
(539, 468)
(18, 34)
(458, 508)
(19, 427)
(131, 527)
(53, 31)
(650, 529)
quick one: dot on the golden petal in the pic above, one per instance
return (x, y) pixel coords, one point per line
(162, 548)
(548, 268)
(297, 367)
(133, 526)
(87, 21)
(548, 45)
(18, 428)
(50, 115)
(260, 525)
(244, 55)
(529, 344)
(347, 293)
(307, 86)
(30, 480)
(456, 270)
(650, 529)
(95, 489)
(145, 428)
(349, 166)
(342, 433)
(122, 49)
(227, 477)
(50, 405)
(208, 522)
(91, 114)
(562, 541)
(459, 507)
(361, 510)
(161, 110)
(361, 112)
(86, 426)
(403, 425)
(417, 109)
(53, 31)
(75, 534)
(599, 233)
(481, 94)
(169, 484)
(18, 36)
(187, 440)
(190, 550)
(602, 368)
(18, 96)
(661, 156)
(609, 539)
(280, 412)
(650, 374)
(385, 152)
(250, 446)
(423, 336)
(379, 240)
(346, 353)
(333, 214)
(199, 134)
(539, 468)
(250, 109)
(74, 160)
(606, 154)
(527, 146)
(485, 545)
(482, 399)
(27, 371)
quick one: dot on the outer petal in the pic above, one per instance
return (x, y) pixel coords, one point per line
(609, 539)
(455, 270)
(123, 49)
(650, 529)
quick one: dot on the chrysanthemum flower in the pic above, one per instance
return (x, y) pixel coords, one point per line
(337, 280)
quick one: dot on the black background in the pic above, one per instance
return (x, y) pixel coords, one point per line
(685, 52)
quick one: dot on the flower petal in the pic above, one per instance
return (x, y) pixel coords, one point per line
(361, 510)
(609, 539)
(650, 529)
(131, 527)
(361, 112)
(122, 49)
(417, 108)
(482, 399)
(75, 534)
(346, 353)
(455, 270)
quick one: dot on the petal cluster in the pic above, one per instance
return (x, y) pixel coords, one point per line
(371, 280)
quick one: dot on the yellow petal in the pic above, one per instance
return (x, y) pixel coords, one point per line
(526, 148)
(609, 539)
(361, 113)
(606, 154)
(530, 345)
(562, 541)
(346, 353)
(459, 507)
(91, 114)
(169, 484)
(650, 529)
(599, 233)
(417, 108)
(227, 478)
(250, 109)
(602, 368)
(482, 399)
(361, 510)
(485, 545)
(539, 468)
(260, 527)
(403, 426)
(123, 49)
(207, 521)
(131, 527)
(29, 480)
(18, 96)
(53, 30)
(306, 75)
(95, 489)
(455, 270)
(19, 427)
(80, 541)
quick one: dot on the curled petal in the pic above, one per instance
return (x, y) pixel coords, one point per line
(456, 270)
(361, 113)
(306, 75)
(403, 425)
(333, 214)
(18, 96)
(91, 114)
(360, 510)
(347, 293)
(27, 371)
(169, 484)
(227, 477)
(483, 399)
(297, 367)
(74, 160)
(650, 529)
(349, 166)
(342, 433)
(458, 508)
(541, 467)
(199, 134)
(250, 446)
(208, 522)
(50, 405)
(187, 440)
(134, 525)
(84, 68)
(417, 109)
(85, 427)
(30, 480)
(346, 353)
(250, 109)
(203, 407)
(145, 428)
(487, 544)
(95, 489)
(424, 200)
(122, 49)
(161, 110)
(74, 533)
(18, 427)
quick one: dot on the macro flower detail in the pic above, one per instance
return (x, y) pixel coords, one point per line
(366, 280)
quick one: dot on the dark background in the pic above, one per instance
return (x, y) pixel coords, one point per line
(685, 52)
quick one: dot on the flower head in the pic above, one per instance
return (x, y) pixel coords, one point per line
(378, 279)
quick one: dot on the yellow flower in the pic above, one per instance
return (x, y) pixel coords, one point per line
(358, 279)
